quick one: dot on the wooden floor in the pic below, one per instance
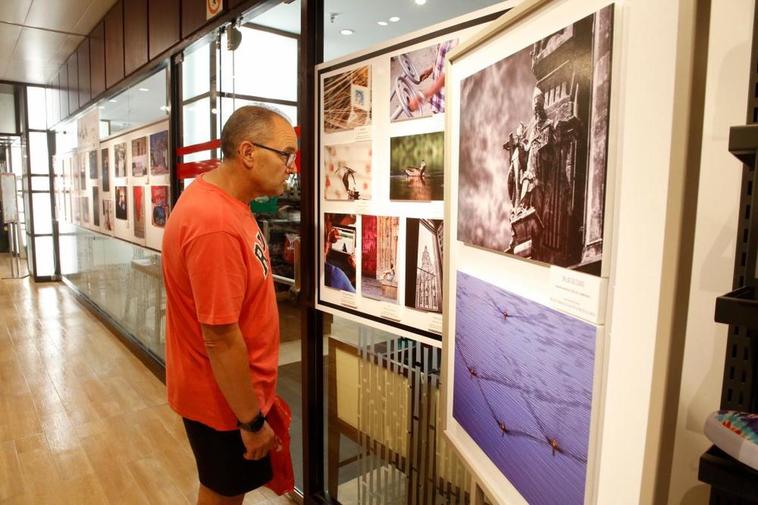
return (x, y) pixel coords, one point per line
(81, 420)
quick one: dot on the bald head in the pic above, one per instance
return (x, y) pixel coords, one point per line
(251, 122)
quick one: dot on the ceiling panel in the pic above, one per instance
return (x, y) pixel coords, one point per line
(14, 11)
(94, 13)
(78, 16)
(8, 37)
(33, 72)
(40, 45)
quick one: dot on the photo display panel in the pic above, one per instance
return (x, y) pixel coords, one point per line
(527, 231)
(381, 172)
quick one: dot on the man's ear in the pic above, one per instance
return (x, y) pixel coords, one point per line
(246, 152)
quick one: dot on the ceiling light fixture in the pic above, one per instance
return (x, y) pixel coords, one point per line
(420, 2)
(382, 23)
(346, 31)
(113, 100)
(144, 89)
(394, 19)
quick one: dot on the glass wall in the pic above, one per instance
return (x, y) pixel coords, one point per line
(41, 188)
(124, 280)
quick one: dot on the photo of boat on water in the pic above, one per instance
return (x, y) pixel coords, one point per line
(417, 167)
(522, 389)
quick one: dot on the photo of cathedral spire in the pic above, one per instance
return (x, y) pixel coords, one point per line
(423, 288)
(533, 148)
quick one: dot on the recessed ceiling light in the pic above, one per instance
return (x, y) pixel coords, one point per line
(346, 31)
(101, 107)
(394, 19)
(213, 110)
(144, 89)
(382, 23)
(420, 2)
(113, 100)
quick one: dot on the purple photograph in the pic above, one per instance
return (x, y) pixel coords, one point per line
(534, 148)
(523, 389)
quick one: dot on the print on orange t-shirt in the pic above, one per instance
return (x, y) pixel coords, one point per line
(217, 270)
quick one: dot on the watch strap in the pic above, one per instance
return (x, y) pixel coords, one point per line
(255, 425)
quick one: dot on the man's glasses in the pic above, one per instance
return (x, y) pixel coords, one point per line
(289, 158)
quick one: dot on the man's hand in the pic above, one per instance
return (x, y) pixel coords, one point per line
(259, 443)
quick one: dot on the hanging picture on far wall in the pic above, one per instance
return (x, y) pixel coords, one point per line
(139, 157)
(92, 163)
(159, 199)
(379, 277)
(139, 211)
(121, 203)
(119, 158)
(347, 100)
(159, 153)
(533, 154)
(84, 202)
(106, 175)
(81, 164)
(418, 82)
(108, 215)
(339, 251)
(96, 205)
(348, 171)
(423, 264)
(417, 167)
(522, 389)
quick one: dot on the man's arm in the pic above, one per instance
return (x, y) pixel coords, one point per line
(228, 356)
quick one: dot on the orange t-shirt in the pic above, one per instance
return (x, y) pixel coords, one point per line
(217, 270)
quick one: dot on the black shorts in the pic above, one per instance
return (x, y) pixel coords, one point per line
(220, 465)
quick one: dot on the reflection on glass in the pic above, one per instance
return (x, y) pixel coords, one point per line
(45, 256)
(229, 105)
(39, 162)
(43, 219)
(36, 107)
(240, 69)
(196, 123)
(123, 279)
(196, 78)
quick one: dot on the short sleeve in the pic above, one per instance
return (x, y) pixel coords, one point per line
(218, 277)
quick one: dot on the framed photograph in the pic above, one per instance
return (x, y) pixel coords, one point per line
(96, 205)
(159, 200)
(138, 193)
(417, 167)
(379, 268)
(418, 81)
(106, 172)
(423, 264)
(122, 203)
(159, 153)
(347, 171)
(119, 159)
(92, 164)
(523, 387)
(139, 157)
(84, 202)
(347, 100)
(533, 153)
(108, 215)
(340, 243)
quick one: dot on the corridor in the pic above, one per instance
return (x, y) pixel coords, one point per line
(84, 422)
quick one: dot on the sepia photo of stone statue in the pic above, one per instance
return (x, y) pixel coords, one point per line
(533, 148)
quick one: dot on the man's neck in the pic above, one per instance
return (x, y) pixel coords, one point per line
(226, 177)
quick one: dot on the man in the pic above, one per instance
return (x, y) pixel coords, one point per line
(222, 325)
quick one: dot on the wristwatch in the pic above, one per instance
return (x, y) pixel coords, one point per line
(255, 425)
